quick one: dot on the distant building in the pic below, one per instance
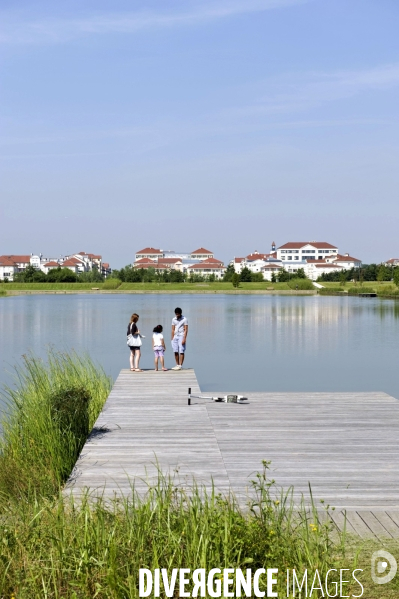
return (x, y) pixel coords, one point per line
(207, 267)
(392, 262)
(305, 250)
(13, 264)
(185, 262)
(314, 257)
(77, 263)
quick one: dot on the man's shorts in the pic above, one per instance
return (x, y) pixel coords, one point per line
(177, 345)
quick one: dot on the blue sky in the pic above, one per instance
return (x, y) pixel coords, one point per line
(226, 124)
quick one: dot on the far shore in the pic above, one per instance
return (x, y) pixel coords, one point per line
(14, 292)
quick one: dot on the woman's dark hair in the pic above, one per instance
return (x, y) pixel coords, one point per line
(158, 328)
(134, 318)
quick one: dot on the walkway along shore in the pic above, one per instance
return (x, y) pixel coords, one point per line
(344, 445)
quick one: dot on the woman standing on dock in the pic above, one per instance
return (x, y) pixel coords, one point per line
(134, 343)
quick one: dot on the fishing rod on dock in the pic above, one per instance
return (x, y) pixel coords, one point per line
(224, 399)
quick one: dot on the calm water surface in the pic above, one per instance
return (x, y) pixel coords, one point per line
(241, 343)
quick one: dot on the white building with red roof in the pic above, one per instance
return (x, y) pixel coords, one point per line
(208, 267)
(392, 262)
(201, 254)
(12, 264)
(151, 253)
(170, 260)
(299, 251)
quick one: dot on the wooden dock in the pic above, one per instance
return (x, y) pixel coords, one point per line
(345, 445)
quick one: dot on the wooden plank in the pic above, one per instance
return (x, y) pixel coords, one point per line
(329, 440)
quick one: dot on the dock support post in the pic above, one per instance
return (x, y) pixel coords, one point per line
(189, 396)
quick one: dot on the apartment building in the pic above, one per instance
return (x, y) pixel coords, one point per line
(77, 263)
(185, 262)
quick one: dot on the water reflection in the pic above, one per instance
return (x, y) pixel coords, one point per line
(243, 343)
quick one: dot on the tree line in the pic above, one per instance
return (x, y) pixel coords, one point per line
(367, 272)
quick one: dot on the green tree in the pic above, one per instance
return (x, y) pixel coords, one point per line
(133, 275)
(342, 278)
(274, 278)
(27, 275)
(235, 279)
(257, 277)
(246, 275)
(396, 276)
(300, 274)
(283, 276)
(384, 273)
(228, 273)
(175, 276)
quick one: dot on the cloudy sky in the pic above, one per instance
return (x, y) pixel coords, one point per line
(227, 124)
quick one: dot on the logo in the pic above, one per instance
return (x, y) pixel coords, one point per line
(380, 560)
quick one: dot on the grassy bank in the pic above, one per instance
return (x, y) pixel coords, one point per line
(217, 287)
(382, 288)
(52, 548)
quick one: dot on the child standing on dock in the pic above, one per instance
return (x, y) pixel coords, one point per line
(158, 345)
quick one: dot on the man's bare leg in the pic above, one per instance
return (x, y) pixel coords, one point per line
(177, 358)
(181, 359)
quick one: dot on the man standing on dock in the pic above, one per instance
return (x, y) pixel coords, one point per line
(179, 336)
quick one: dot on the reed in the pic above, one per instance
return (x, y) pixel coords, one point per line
(50, 411)
(58, 549)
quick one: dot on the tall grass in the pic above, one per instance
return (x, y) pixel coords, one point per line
(3, 292)
(56, 549)
(301, 284)
(50, 413)
(111, 283)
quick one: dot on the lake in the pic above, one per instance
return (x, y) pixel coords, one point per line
(236, 342)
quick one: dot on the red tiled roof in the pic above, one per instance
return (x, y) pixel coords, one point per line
(205, 265)
(201, 251)
(168, 260)
(258, 256)
(273, 265)
(6, 261)
(238, 260)
(392, 261)
(19, 259)
(149, 251)
(52, 263)
(145, 261)
(296, 245)
(341, 258)
(95, 256)
(71, 262)
(105, 264)
(211, 261)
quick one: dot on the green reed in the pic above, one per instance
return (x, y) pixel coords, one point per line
(51, 410)
(60, 548)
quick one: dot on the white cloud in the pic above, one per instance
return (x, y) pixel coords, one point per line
(58, 30)
(291, 93)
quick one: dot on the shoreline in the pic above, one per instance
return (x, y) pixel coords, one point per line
(16, 292)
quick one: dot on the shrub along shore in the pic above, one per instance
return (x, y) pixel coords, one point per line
(54, 548)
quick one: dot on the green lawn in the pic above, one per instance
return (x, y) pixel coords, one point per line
(48, 286)
(376, 285)
(167, 287)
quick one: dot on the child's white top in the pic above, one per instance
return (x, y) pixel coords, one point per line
(158, 338)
